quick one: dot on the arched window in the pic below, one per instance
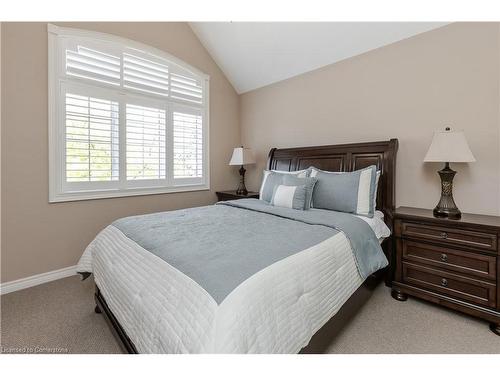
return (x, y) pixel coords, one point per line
(124, 118)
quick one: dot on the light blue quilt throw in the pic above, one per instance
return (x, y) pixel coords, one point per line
(221, 246)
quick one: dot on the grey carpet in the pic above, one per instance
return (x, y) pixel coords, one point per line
(60, 316)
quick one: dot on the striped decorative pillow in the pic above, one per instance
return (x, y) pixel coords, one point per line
(352, 192)
(307, 182)
(273, 178)
(289, 196)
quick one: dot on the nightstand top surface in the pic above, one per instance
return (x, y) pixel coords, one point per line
(424, 213)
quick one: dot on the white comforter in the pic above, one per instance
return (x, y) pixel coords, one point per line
(277, 310)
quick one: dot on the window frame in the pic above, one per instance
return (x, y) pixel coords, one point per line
(59, 191)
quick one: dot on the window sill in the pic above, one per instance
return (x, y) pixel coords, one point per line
(104, 194)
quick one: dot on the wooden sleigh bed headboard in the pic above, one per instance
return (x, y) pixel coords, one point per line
(346, 158)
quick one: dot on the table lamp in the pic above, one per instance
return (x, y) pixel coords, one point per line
(242, 156)
(448, 146)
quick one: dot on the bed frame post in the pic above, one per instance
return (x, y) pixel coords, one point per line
(270, 158)
(118, 331)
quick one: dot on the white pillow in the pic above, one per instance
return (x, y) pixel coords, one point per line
(378, 226)
(377, 177)
(302, 173)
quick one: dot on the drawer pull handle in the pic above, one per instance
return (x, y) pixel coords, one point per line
(444, 282)
(444, 258)
(444, 235)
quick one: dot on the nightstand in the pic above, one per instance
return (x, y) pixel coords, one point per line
(453, 263)
(230, 195)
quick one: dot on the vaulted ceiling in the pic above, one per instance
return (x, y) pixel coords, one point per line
(256, 54)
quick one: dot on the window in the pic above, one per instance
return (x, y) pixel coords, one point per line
(124, 119)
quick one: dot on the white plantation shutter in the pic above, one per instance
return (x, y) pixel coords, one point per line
(124, 118)
(91, 139)
(188, 145)
(146, 147)
(91, 64)
(145, 75)
(186, 88)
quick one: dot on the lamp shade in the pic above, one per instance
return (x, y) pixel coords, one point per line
(449, 146)
(242, 156)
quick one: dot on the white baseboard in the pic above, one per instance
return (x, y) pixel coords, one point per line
(28, 282)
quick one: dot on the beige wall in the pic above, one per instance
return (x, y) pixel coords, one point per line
(405, 90)
(40, 237)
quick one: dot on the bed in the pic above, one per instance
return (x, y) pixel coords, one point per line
(276, 282)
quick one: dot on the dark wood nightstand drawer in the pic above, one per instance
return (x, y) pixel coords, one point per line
(451, 284)
(459, 237)
(465, 262)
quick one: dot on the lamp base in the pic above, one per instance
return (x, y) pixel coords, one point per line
(454, 214)
(446, 207)
(242, 190)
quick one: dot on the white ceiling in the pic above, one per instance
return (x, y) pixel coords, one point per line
(256, 54)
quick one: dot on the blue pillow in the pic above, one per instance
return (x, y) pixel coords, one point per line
(351, 192)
